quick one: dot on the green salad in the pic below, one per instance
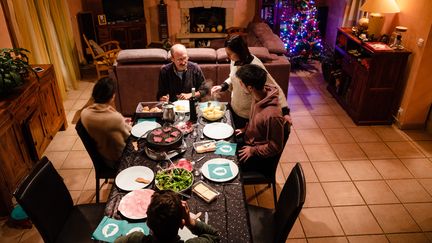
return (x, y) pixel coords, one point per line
(175, 179)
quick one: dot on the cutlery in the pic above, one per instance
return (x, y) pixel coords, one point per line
(202, 134)
(184, 195)
(206, 217)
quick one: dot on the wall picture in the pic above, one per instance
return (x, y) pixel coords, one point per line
(102, 19)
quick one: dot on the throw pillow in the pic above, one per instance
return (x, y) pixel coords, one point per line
(142, 55)
(273, 43)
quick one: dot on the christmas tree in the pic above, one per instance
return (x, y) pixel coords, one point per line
(299, 30)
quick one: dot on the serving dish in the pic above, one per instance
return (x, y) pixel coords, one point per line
(164, 138)
(148, 109)
(174, 179)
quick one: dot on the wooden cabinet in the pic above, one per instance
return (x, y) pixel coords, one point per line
(131, 35)
(28, 123)
(371, 83)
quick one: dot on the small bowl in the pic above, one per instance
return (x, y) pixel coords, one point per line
(213, 110)
(164, 179)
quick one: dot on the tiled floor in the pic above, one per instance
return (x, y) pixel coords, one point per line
(364, 184)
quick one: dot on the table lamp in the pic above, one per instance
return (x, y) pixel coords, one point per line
(375, 8)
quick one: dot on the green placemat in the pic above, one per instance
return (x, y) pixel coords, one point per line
(220, 171)
(226, 148)
(110, 229)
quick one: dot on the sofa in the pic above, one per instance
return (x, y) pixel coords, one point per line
(137, 71)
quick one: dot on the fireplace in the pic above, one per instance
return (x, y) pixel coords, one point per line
(207, 20)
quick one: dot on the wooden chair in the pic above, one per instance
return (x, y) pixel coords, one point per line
(102, 171)
(48, 203)
(268, 225)
(104, 55)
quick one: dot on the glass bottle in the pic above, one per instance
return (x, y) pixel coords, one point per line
(192, 107)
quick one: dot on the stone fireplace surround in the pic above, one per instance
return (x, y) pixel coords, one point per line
(185, 36)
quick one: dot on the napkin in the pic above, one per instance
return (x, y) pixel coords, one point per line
(145, 119)
(226, 148)
(110, 229)
(219, 171)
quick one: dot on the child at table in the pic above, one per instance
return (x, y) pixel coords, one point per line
(265, 134)
(165, 215)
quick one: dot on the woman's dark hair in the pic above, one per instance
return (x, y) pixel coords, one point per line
(164, 215)
(237, 45)
(252, 75)
(104, 90)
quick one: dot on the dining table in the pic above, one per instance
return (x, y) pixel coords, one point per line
(227, 213)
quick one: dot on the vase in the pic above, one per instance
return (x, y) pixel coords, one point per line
(219, 28)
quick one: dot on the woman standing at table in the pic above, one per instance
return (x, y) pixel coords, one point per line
(238, 52)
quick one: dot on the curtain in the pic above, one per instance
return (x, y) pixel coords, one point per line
(352, 12)
(44, 28)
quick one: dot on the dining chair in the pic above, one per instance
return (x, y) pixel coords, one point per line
(260, 177)
(104, 55)
(102, 171)
(45, 198)
(274, 225)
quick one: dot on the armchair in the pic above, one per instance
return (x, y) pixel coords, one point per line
(104, 55)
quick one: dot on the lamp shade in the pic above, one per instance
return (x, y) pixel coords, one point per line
(380, 6)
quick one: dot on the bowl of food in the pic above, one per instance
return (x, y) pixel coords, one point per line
(148, 109)
(174, 179)
(165, 138)
(213, 110)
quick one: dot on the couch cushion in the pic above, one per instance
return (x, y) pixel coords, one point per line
(267, 38)
(261, 52)
(200, 55)
(142, 55)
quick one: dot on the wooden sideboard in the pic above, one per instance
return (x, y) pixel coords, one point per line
(372, 80)
(28, 122)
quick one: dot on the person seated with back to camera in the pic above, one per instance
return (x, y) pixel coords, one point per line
(176, 79)
(166, 214)
(263, 136)
(104, 124)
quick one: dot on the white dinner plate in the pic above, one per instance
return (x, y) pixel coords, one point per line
(125, 180)
(141, 128)
(184, 104)
(222, 172)
(134, 204)
(218, 130)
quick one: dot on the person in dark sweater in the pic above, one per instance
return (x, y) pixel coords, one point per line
(165, 215)
(177, 78)
(263, 135)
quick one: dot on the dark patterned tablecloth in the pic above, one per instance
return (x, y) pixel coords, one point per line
(227, 213)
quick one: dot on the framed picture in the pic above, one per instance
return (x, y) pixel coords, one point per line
(102, 19)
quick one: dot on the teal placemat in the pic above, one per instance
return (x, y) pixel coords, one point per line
(110, 229)
(145, 119)
(132, 227)
(220, 171)
(226, 148)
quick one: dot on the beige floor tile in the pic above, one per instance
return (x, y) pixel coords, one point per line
(68, 104)
(418, 135)
(75, 194)
(330, 171)
(318, 222)
(306, 89)
(425, 147)
(342, 193)
(315, 196)
(293, 138)
(348, 151)
(304, 122)
(346, 120)
(357, 220)
(296, 241)
(328, 240)
(338, 135)
(311, 136)
(320, 110)
(86, 94)
(427, 184)
(429, 235)
(307, 170)
(57, 158)
(337, 109)
(409, 237)
(293, 153)
(299, 110)
(294, 99)
(8, 234)
(250, 195)
(62, 143)
(394, 218)
(264, 196)
(376, 192)
(363, 134)
(75, 179)
(368, 239)
(296, 230)
(88, 196)
(313, 99)
(31, 236)
(73, 94)
(422, 214)
(280, 176)
(68, 132)
(389, 133)
(79, 104)
(420, 168)
(77, 160)
(409, 190)
(361, 170)
(391, 169)
(405, 150)
(328, 122)
(377, 150)
(321, 152)
(78, 145)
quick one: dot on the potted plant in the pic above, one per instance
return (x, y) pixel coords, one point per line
(14, 69)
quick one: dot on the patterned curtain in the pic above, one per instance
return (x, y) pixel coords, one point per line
(44, 28)
(352, 12)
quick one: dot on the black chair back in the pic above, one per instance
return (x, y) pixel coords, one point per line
(290, 203)
(46, 199)
(101, 169)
